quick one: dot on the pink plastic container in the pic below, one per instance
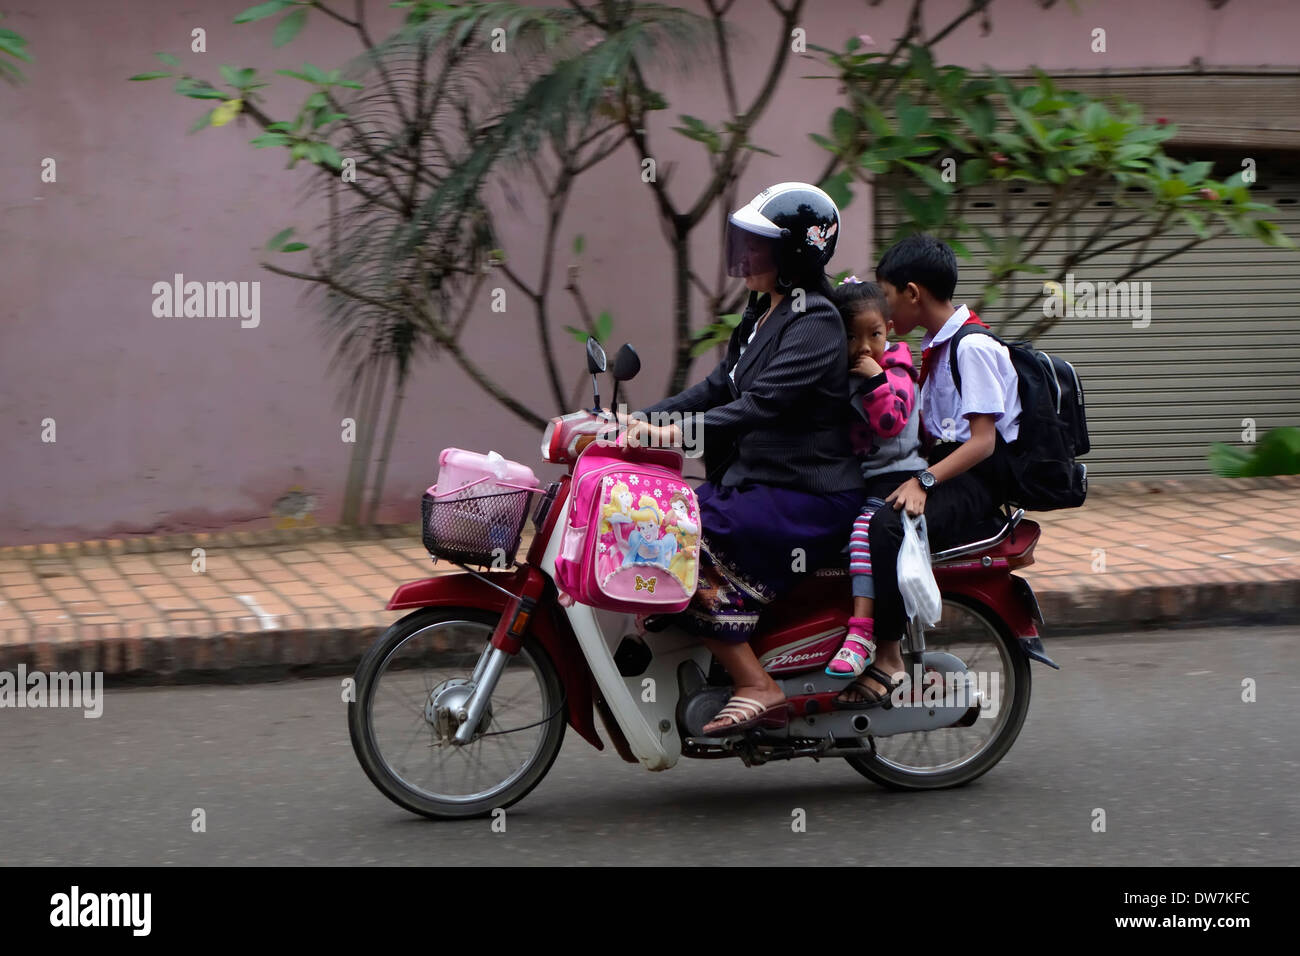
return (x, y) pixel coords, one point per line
(469, 474)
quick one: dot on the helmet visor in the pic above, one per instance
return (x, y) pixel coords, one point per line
(749, 254)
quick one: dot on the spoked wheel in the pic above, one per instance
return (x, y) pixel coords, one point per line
(411, 686)
(953, 756)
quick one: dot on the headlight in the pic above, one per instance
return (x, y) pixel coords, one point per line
(546, 440)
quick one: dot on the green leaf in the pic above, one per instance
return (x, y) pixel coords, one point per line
(982, 119)
(1094, 117)
(294, 247)
(202, 121)
(1196, 223)
(927, 214)
(328, 155)
(263, 10)
(168, 59)
(288, 28)
(311, 73)
(929, 175)
(843, 126)
(1228, 462)
(973, 172)
(196, 90)
(279, 239)
(579, 334)
(699, 131)
(837, 187)
(269, 139)
(234, 76)
(604, 325)
(1193, 173)
(911, 120)
(156, 75)
(579, 243)
(703, 345)
(1269, 234)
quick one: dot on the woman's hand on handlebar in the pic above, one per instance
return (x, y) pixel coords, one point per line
(641, 433)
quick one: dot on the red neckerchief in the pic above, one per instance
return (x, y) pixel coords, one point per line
(927, 354)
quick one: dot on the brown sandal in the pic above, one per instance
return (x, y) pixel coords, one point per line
(872, 698)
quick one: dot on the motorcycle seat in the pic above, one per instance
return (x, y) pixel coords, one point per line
(1014, 543)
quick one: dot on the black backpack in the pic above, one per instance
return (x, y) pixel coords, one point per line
(1042, 472)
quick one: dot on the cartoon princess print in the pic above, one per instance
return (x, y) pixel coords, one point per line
(618, 511)
(687, 532)
(645, 544)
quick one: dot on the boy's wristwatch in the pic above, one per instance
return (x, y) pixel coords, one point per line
(926, 479)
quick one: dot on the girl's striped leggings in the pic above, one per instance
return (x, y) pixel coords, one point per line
(860, 551)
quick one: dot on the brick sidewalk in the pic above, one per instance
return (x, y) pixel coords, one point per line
(1136, 555)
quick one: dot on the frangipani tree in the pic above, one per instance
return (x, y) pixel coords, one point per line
(932, 135)
(404, 142)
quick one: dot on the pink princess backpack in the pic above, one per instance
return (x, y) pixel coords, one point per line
(632, 539)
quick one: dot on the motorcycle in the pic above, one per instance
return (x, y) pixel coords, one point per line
(461, 706)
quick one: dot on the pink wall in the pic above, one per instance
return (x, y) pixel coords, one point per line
(168, 424)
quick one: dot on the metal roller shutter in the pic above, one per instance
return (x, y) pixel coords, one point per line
(1223, 343)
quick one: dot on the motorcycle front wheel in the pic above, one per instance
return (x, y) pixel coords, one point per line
(409, 688)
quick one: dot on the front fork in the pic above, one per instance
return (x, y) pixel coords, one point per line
(506, 640)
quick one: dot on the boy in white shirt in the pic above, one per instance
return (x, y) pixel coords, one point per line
(964, 486)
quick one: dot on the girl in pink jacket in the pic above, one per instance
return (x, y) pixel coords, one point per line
(885, 436)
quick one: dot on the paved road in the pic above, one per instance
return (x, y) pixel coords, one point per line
(1150, 727)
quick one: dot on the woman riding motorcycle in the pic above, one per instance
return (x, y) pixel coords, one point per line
(783, 485)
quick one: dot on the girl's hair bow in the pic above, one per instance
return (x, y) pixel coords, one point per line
(850, 280)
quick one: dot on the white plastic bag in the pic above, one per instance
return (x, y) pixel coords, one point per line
(915, 576)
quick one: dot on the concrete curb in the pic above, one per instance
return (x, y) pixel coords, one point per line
(1226, 604)
(224, 651)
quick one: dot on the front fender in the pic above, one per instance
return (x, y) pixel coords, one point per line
(551, 630)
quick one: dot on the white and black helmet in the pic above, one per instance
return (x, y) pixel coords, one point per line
(789, 228)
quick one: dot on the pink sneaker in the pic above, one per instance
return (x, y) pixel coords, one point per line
(855, 654)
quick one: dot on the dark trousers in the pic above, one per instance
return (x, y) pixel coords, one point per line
(957, 511)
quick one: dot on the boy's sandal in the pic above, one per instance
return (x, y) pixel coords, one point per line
(856, 661)
(871, 698)
(748, 714)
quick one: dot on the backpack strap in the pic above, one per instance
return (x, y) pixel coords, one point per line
(957, 336)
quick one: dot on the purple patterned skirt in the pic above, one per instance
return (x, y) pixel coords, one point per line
(748, 552)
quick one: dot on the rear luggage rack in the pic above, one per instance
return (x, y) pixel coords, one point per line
(962, 550)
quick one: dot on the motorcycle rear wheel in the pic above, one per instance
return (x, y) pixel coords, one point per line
(908, 761)
(410, 758)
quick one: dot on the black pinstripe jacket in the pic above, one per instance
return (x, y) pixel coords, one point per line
(784, 421)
